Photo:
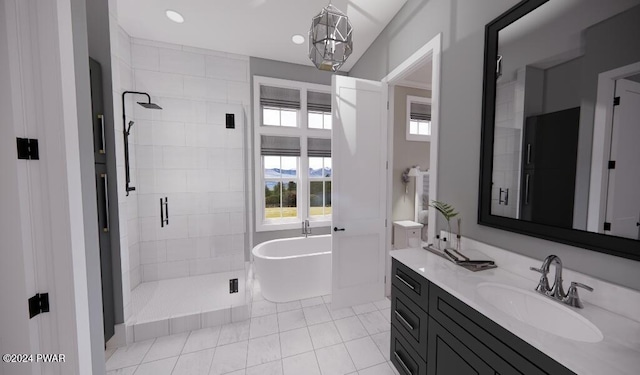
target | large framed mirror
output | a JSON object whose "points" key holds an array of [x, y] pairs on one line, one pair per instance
{"points": [[561, 123]]}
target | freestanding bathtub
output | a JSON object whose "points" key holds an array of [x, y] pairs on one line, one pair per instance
{"points": [[294, 268]]}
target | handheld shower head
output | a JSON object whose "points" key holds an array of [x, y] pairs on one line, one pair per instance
{"points": [[128, 131]]}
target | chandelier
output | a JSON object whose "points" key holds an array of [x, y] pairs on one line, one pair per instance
{"points": [[330, 39]]}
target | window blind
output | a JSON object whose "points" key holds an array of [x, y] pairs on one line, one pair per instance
{"points": [[279, 97], [279, 146], [318, 101], [420, 111], [319, 147]]}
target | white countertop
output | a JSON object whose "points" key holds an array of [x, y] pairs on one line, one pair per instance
{"points": [[617, 353]]}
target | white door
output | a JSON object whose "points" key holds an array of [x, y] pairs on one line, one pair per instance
{"points": [[359, 150], [623, 202]]}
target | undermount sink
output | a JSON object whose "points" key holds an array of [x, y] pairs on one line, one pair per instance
{"points": [[540, 312]]}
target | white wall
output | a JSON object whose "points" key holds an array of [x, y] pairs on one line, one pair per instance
{"points": [[462, 24], [185, 153], [405, 155]]}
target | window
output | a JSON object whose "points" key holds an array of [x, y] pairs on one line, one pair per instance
{"points": [[319, 109], [292, 154], [418, 119]]}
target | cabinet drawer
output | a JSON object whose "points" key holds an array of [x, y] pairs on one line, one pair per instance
{"points": [[411, 284], [507, 353], [404, 358], [410, 320]]}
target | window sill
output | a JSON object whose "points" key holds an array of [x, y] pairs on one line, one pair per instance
{"points": [[268, 227], [419, 138]]}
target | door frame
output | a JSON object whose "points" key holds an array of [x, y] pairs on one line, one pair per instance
{"points": [[601, 149], [432, 50]]}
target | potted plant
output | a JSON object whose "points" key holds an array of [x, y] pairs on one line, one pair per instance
{"points": [[447, 211]]}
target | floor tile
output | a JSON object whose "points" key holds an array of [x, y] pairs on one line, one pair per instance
{"points": [[301, 364], [381, 369], [197, 363], [271, 368], [288, 306], [123, 371], [340, 313], [350, 328], [325, 334], [234, 332], [263, 349], [393, 368], [386, 313], [229, 358], [383, 342], [263, 325], [291, 320], [261, 308], [383, 304], [316, 314], [364, 353], [108, 352], [166, 347], [161, 367], [334, 360], [327, 299], [364, 308], [130, 355], [239, 372], [295, 342], [205, 338], [374, 322], [312, 301]]}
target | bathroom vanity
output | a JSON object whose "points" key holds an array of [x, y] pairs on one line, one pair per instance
{"points": [[441, 323]]}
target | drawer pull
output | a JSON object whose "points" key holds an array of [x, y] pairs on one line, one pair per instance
{"points": [[404, 321], [405, 282], [406, 369]]}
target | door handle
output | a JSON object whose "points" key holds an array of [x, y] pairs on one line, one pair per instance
{"points": [[164, 212], [526, 189], [106, 202], [336, 229], [404, 366], [103, 149], [404, 320]]}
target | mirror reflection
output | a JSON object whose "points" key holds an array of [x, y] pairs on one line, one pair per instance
{"points": [[567, 119]]}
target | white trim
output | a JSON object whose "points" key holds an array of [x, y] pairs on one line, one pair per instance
{"points": [[408, 135], [602, 125], [432, 50], [414, 85], [303, 133]]}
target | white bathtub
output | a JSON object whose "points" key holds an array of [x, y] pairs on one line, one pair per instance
{"points": [[294, 268]]}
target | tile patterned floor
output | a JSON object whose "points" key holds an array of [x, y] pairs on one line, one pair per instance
{"points": [[296, 338]]}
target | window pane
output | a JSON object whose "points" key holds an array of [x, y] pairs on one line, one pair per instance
{"points": [[327, 120], [315, 167], [424, 128], [289, 118], [315, 120], [289, 166], [315, 198], [289, 199], [272, 193], [327, 197], [413, 127], [272, 166], [327, 167], [271, 117]]}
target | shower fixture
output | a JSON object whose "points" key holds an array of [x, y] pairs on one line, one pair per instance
{"points": [[127, 132]]}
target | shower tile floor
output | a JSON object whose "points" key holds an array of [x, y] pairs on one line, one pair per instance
{"points": [[297, 338]]}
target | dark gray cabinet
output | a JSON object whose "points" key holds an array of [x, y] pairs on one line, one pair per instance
{"points": [[444, 336]]}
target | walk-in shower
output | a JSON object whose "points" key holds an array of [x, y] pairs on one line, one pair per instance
{"points": [[127, 132]]}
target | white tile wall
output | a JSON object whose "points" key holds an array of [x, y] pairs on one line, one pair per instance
{"points": [[185, 153]]}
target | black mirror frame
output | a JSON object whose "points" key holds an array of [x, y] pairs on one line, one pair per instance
{"points": [[617, 246]]}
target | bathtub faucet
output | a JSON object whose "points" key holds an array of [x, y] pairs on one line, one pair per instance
{"points": [[306, 229]]}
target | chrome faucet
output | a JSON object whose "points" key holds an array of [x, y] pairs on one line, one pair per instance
{"points": [[306, 229], [556, 291]]}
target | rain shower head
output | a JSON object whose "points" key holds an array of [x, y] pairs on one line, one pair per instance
{"points": [[150, 105]]}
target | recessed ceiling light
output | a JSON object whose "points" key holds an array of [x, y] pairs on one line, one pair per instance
{"points": [[174, 16], [297, 39]]}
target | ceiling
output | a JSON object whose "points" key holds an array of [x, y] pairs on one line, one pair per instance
{"points": [[422, 75], [260, 28]]}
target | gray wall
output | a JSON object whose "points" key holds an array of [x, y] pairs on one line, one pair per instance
{"points": [[97, 16], [562, 85], [87, 175], [462, 25], [405, 154], [294, 72]]}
